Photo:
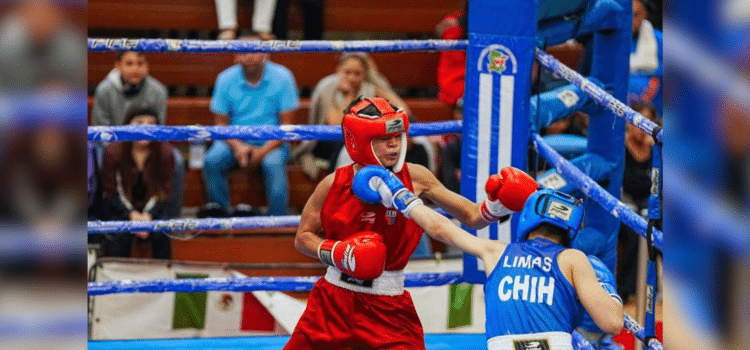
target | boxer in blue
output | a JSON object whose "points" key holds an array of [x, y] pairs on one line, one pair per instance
{"points": [[537, 289], [588, 329]]}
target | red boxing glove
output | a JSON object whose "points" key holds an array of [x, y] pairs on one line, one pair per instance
{"points": [[506, 193], [361, 256]]}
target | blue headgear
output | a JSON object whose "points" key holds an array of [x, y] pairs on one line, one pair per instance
{"points": [[553, 207]]}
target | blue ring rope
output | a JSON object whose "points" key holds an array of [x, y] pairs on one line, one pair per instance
{"points": [[297, 284], [271, 46], [654, 216], [637, 330], [182, 225], [592, 190], [199, 133], [598, 94]]}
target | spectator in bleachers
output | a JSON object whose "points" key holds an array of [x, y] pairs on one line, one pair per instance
{"points": [[646, 72], [312, 10], [636, 189], [40, 45], [226, 15], [255, 91], [137, 181], [452, 64], [127, 85], [355, 76]]}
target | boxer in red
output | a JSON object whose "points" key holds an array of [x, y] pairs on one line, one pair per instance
{"points": [[361, 302]]}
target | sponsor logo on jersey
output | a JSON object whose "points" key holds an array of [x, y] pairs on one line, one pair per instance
{"points": [[390, 216], [535, 344], [369, 217]]}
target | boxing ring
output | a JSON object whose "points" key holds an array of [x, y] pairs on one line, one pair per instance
{"points": [[501, 123]]}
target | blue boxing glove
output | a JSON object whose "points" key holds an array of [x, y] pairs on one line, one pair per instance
{"points": [[605, 277], [373, 184]]}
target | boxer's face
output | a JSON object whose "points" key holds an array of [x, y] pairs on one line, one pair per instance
{"points": [[387, 149]]}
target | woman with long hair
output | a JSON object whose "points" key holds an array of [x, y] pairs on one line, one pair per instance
{"points": [[137, 179]]}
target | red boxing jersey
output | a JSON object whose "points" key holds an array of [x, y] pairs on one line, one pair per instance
{"points": [[343, 215]]}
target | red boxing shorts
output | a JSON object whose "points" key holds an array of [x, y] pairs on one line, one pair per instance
{"points": [[338, 318]]}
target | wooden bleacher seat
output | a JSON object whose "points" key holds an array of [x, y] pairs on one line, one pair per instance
{"points": [[398, 16], [194, 110], [247, 187], [246, 248], [403, 70]]}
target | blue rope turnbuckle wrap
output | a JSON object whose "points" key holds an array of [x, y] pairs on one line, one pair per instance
{"points": [[637, 330], [271, 46], [599, 95], [592, 190]]}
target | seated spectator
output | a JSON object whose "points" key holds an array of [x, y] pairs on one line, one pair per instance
{"points": [[355, 76], [137, 180], [128, 84], [636, 189], [253, 92], [646, 71], [226, 15], [40, 45], [452, 64]]}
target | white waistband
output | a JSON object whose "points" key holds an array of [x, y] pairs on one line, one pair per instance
{"points": [[389, 283], [555, 340]]}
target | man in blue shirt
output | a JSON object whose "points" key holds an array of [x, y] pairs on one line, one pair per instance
{"points": [[255, 91], [538, 288]]}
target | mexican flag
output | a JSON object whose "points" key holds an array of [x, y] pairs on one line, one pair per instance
{"points": [[190, 310], [176, 315]]}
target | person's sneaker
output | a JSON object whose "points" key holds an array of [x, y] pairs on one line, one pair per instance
{"points": [[245, 210], [211, 210]]}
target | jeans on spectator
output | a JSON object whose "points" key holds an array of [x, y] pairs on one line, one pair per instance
{"points": [[220, 160]]}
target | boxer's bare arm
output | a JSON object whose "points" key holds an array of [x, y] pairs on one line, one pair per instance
{"points": [[427, 185], [442, 229], [308, 237], [605, 311]]}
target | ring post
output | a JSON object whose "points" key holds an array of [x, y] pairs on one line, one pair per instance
{"points": [[496, 102]]}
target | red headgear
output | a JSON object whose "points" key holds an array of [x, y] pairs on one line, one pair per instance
{"points": [[360, 129]]}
